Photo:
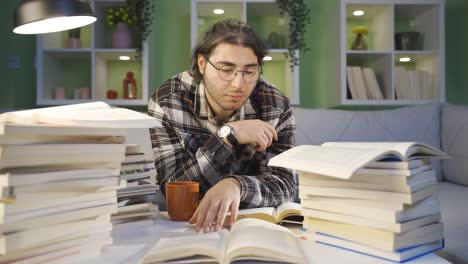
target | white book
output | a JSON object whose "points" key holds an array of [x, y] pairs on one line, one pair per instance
{"points": [[359, 81], [383, 225], [56, 154], [21, 206], [134, 157], [407, 198], [409, 185], [54, 247], [415, 85], [377, 238], [248, 239], [82, 185], [371, 83], [397, 164], [14, 134], [18, 217], [21, 177], [343, 159], [59, 217], [374, 211], [401, 256], [351, 83], [17, 241], [95, 114], [389, 182]]}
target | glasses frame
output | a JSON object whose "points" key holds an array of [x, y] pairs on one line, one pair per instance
{"points": [[259, 72]]}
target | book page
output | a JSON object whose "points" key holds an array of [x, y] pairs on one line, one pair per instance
{"points": [[171, 248], [288, 208], [263, 213], [30, 116], [407, 150], [114, 117], [330, 161], [257, 239]]}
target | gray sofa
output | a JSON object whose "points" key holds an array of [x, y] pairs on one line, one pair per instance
{"points": [[441, 125]]}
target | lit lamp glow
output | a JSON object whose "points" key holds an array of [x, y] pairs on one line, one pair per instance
{"points": [[45, 16], [358, 13], [124, 58], [405, 59], [267, 58], [218, 11]]}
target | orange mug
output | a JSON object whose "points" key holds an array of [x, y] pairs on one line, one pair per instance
{"points": [[182, 199]]}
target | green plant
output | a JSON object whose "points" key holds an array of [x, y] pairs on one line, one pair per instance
{"points": [[142, 11], [299, 17], [119, 15]]}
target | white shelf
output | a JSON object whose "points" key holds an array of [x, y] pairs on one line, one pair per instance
{"points": [[385, 18], [95, 65], [271, 27]]}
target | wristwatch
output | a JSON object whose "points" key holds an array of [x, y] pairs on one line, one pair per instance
{"points": [[228, 133]]}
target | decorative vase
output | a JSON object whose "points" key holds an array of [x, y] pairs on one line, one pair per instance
{"points": [[121, 37], [359, 43]]}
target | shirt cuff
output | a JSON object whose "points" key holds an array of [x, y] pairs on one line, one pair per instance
{"points": [[242, 184]]}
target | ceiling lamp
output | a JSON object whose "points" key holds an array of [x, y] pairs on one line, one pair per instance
{"points": [[45, 16]]}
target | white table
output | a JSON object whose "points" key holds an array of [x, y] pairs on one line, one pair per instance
{"points": [[133, 240]]}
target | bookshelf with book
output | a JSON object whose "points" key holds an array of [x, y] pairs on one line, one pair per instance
{"points": [[83, 65], [395, 47]]}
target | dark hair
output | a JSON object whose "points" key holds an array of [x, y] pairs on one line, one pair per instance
{"points": [[227, 31]]}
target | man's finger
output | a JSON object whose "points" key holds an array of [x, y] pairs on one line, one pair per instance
{"points": [[234, 212], [201, 215], [223, 209], [210, 217]]}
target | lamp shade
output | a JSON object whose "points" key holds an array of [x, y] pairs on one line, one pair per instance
{"points": [[45, 16]]}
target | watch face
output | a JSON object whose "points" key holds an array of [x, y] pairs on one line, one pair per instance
{"points": [[224, 131]]}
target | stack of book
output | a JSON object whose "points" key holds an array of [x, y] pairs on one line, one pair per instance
{"points": [[378, 199], [136, 200], [413, 84], [59, 182]]}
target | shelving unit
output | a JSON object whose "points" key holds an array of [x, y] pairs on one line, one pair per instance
{"points": [[95, 65], [263, 16], [423, 78]]}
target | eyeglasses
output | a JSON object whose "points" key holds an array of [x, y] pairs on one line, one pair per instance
{"points": [[228, 73]]}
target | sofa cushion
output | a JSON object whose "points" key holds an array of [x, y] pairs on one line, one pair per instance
{"points": [[451, 197], [454, 136], [419, 123]]}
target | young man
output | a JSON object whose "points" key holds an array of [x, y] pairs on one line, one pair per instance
{"points": [[222, 124]]}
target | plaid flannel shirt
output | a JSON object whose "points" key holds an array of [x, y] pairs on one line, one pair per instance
{"points": [[188, 148]]}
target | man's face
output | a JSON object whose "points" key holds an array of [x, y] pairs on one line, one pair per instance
{"points": [[227, 96]]}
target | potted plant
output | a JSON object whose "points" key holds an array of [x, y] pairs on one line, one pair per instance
{"points": [[120, 18], [142, 11], [299, 17]]}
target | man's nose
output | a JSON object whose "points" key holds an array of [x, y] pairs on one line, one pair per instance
{"points": [[238, 80]]}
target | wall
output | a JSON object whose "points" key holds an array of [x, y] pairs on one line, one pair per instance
{"points": [[170, 52]]}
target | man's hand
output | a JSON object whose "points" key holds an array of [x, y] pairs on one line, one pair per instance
{"points": [[216, 203], [255, 131]]}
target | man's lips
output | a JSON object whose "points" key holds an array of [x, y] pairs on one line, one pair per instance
{"points": [[235, 97]]}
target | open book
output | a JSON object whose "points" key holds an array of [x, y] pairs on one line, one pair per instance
{"points": [[288, 212], [95, 114], [343, 159], [249, 239]]}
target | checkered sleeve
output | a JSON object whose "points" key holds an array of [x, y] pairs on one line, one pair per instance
{"points": [[271, 186], [183, 156]]}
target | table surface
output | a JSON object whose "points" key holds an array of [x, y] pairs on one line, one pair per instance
{"points": [[132, 241]]}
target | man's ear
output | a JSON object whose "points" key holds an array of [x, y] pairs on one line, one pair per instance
{"points": [[201, 63]]}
